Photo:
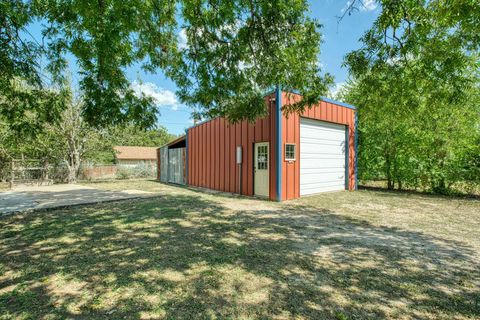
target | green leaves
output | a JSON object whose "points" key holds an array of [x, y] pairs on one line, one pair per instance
{"points": [[106, 37], [235, 52], [27, 108], [238, 50], [416, 84]]}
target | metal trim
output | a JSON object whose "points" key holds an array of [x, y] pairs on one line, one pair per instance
{"points": [[278, 105], [356, 150]]}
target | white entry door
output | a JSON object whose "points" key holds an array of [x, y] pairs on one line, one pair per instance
{"points": [[261, 170], [322, 156]]}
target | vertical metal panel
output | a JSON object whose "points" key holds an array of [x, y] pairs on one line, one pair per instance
{"points": [[297, 155], [208, 161], [186, 156], [356, 151], [176, 165], [231, 150], [190, 147], [250, 142], [164, 164], [158, 164], [347, 157], [221, 151], [194, 156], [244, 142], [220, 156], [203, 147]]}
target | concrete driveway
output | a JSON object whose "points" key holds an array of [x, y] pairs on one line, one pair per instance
{"points": [[28, 198]]}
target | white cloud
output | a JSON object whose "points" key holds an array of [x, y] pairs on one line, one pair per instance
{"points": [[336, 89], [182, 39], [161, 97], [368, 5], [363, 5]]}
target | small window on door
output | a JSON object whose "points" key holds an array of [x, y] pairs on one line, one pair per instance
{"points": [[262, 157], [290, 151]]}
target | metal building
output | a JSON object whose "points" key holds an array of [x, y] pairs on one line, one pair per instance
{"points": [[316, 152]]}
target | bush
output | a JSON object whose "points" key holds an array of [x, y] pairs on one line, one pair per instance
{"points": [[142, 170]]}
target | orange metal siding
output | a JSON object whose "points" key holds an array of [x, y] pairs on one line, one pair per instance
{"points": [[291, 134], [212, 153]]}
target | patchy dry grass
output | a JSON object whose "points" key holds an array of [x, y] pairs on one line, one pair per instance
{"points": [[467, 189], [4, 186], [195, 255]]}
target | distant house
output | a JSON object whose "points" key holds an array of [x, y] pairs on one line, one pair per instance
{"points": [[132, 156]]}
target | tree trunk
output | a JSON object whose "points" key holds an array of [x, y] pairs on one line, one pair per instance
{"points": [[73, 159], [388, 172], [73, 165]]}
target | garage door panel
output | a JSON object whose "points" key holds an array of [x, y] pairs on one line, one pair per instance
{"points": [[322, 188], [325, 142], [320, 178], [326, 126], [325, 149], [322, 157], [323, 161], [316, 169], [326, 165]]}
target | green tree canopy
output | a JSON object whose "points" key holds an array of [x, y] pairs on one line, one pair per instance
{"points": [[235, 52], [416, 82], [238, 50]]}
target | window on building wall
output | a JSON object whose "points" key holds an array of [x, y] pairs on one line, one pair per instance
{"points": [[262, 157], [290, 149]]}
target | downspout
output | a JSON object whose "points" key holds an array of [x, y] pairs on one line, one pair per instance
{"points": [[186, 157], [356, 149], [347, 157], [278, 147]]}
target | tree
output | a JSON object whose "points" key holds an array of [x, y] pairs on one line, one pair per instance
{"points": [[25, 103], [134, 136], [415, 81], [74, 138], [238, 50], [235, 51], [128, 135]]}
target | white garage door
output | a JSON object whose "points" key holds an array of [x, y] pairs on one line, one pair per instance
{"points": [[322, 156]]}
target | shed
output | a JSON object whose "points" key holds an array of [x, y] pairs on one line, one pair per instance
{"points": [[278, 157], [172, 161]]}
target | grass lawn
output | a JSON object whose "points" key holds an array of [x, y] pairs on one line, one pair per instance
{"points": [[194, 255]]}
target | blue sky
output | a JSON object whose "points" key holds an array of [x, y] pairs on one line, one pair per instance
{"points": [[338, 40]]}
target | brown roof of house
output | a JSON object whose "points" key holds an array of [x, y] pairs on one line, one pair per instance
{"points": [[135, 153]]}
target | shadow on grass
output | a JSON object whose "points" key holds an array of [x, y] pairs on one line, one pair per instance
{"points": [[183, 257], [396, 192]]}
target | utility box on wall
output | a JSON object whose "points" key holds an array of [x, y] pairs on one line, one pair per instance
{"points": [[239, 154]]}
